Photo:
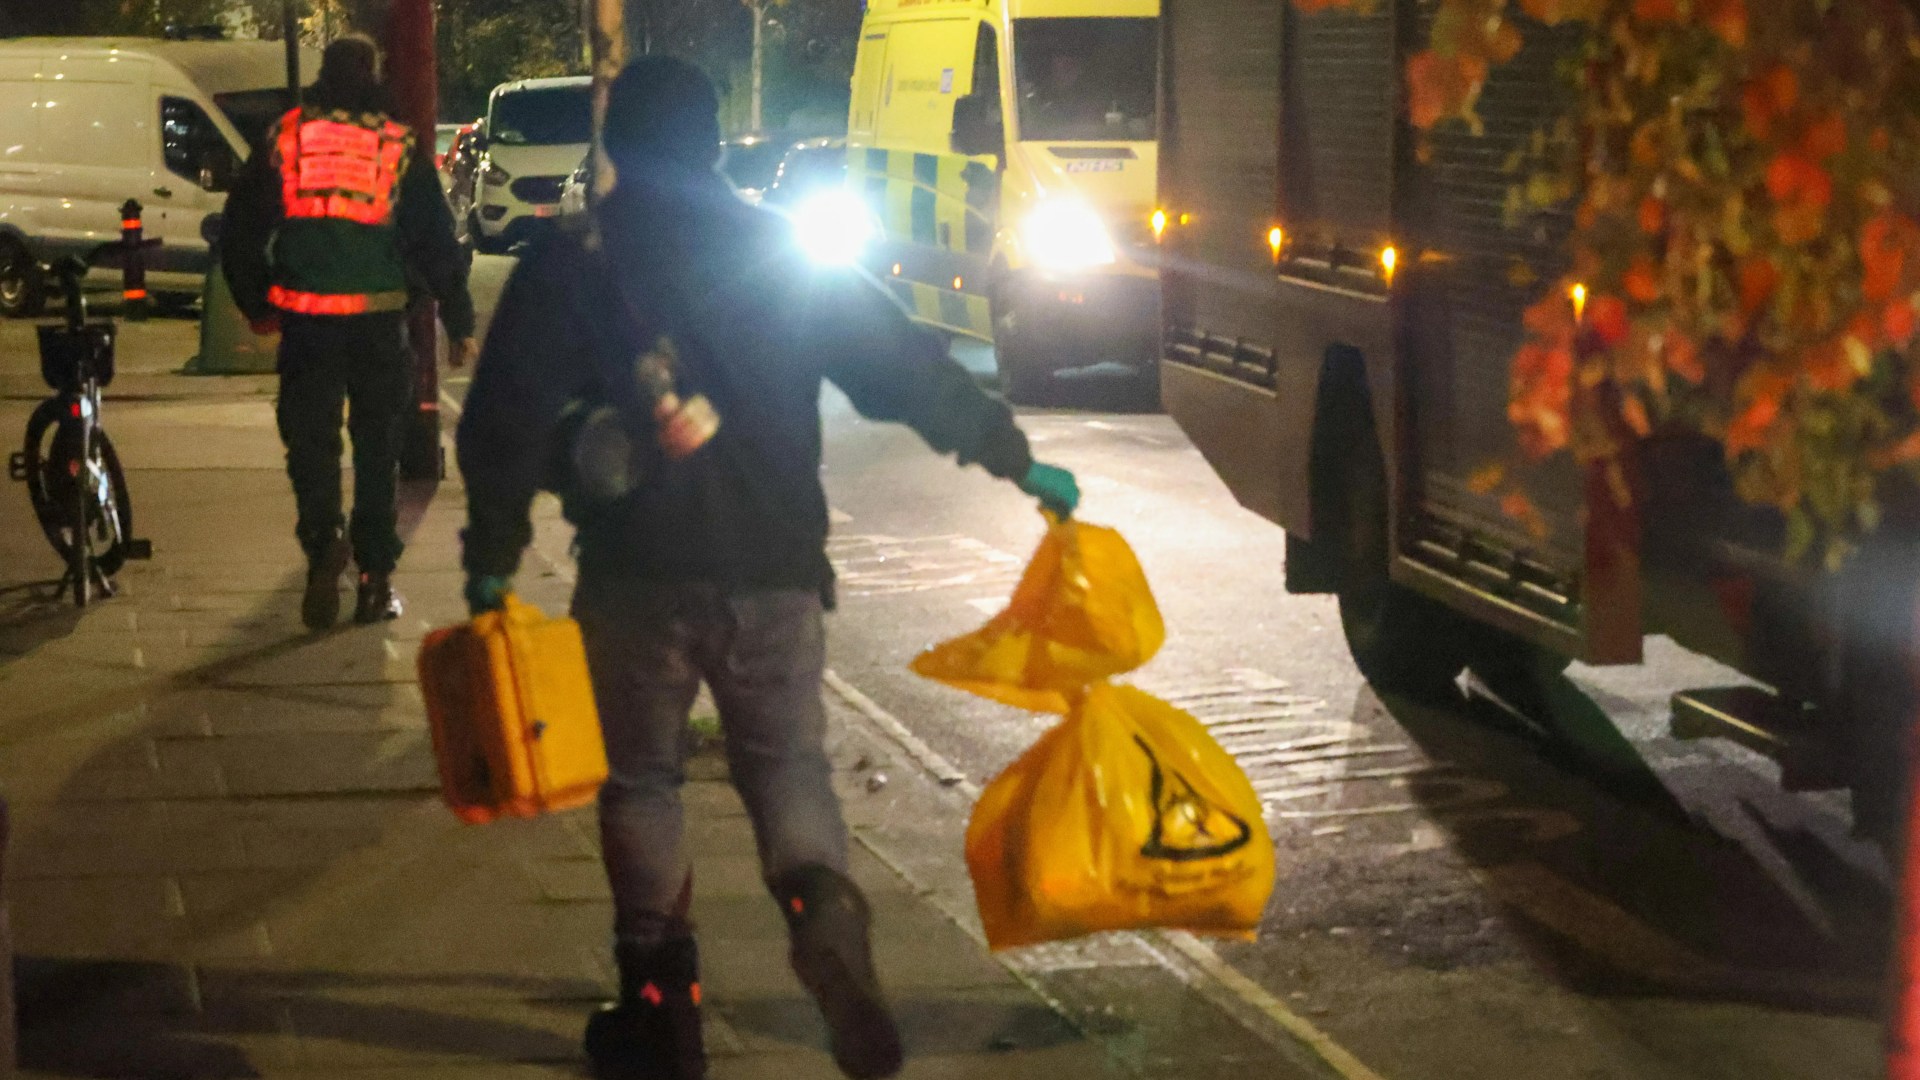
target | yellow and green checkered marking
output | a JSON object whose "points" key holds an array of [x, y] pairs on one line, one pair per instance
{"points": [[937, 213]]}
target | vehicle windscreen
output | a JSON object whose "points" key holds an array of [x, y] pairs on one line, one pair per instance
{"points": [[551, 117], [752, 166], [443, 140], [1086, 79], [807, 171], [252, 112]]}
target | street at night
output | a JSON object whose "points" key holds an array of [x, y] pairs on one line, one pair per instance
{"points": [[1461, 892], [960, 539]]}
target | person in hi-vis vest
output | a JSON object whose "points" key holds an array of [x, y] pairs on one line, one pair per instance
{"points": [[333, 226]]}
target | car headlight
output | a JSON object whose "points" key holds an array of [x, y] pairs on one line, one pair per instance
{"points": [[495, 175], [834, 227], [1066, 234]]}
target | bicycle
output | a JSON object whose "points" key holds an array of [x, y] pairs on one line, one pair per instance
{"points": [[73, 476]]}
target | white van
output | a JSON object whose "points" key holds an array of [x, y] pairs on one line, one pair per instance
{"points": [[535, 134], [88, 123]]}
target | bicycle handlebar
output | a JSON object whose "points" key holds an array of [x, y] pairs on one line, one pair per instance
{"points": [[70, 270]]}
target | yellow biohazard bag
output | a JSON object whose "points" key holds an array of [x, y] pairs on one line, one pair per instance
{"points": [[1127, 814], [1082, 612]]}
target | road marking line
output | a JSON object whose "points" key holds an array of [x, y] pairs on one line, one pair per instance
{"points": [[1196, 952], [1315, 757], [928, 758], [1202, 956]]}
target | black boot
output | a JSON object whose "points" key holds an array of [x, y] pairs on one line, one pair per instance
{"points": [[653, 1033], [377, 601], [320, 606], [827, 919]]}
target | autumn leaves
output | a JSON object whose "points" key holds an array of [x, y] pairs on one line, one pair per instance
{"points": [[1745, 182]]}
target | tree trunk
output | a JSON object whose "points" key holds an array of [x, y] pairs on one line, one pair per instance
{"points": [[607, 26], [759, 51]]}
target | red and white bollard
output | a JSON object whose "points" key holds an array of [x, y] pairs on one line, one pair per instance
{"points": [[133, 267]]}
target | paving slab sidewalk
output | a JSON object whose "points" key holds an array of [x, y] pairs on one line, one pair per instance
{"points": [[228, 858]]}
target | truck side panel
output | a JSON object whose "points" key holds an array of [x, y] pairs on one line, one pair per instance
{"points": [[1246, 344], [1484, 257]]}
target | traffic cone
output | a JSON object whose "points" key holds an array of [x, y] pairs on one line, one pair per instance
{"points": [[228, 345]]}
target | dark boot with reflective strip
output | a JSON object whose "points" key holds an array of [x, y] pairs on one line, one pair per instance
{"points": [[320, 606], [377, 601], [653, 1032], [827, 919]]}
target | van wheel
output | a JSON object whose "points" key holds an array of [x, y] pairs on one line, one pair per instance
{"points": [[1400, 640], [23, 288], [176, 304], [1022, 378], [1873, 690]]}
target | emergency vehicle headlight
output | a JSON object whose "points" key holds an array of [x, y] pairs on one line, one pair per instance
{"points": [[1066, 234], [834, 227]]}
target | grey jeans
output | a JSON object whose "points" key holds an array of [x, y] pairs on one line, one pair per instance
{"points": [[649, 646]]}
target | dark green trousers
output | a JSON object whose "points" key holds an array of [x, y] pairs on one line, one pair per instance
{"points": [[359, 363]]}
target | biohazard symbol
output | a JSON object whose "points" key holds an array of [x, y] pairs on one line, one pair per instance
{"points": [[1186, 827]]}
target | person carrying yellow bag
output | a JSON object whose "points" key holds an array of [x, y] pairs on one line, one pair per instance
{"points": [[1126, 815], [712, 566]]}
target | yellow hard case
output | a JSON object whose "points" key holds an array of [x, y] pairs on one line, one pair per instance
{"points": [[511, 709]]}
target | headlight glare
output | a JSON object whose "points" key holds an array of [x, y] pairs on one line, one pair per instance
{"points": [[834, 227], [1065, 234]]}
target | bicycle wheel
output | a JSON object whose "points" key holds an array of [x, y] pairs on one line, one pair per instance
{"points": [[50, 484], [80, 553], [111, 523]]}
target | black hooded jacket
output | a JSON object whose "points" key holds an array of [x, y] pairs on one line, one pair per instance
{"points": [[757, 328]]}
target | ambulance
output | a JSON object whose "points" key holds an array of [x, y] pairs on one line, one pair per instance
{"points": [[1005, 153]]}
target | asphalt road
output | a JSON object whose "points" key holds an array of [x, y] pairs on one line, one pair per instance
{"points": [[1460, 894]]}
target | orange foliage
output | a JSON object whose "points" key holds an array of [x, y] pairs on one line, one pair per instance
{"points": [[1764, 224], [1683, 358], [1439, 86], [1653, 215], [1728, 20], [1642, 281]]}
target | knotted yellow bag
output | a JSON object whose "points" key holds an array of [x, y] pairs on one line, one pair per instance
{"points": [[1125, 815]]}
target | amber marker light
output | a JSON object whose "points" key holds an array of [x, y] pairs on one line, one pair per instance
{"points": [[1159, 225], [958, 284], [1276, 239], [896, 269], [1389, 260], [1578, 294]]}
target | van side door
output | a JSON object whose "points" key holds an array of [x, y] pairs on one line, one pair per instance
{"points": [[188, 143], [94, 131], [22, 177], [869, 77], [937, 239]]}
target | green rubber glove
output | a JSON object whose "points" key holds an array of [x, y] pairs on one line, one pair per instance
{"points": [[487, 592], [1054, 487]]}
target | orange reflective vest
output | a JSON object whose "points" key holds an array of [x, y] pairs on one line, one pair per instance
{"points": [[336, 252], [341, 166]]}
